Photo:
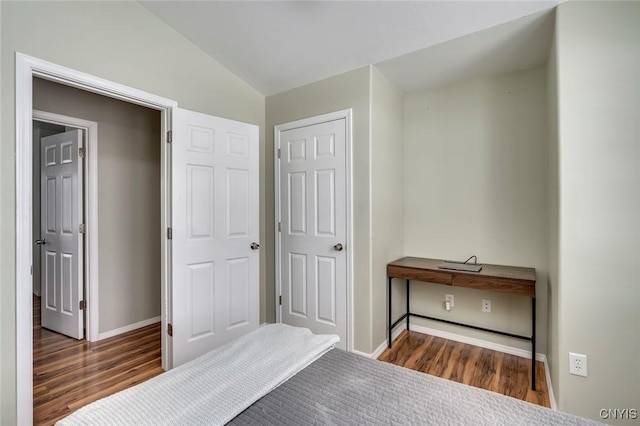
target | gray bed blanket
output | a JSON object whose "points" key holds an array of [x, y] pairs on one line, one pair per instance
{"points": [[342, 388]]}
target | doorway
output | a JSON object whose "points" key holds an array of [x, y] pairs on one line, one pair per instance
{"points": [[47, 124], [58, 215], [187, 195], [122, 216], [26, 69], [123, 167]]}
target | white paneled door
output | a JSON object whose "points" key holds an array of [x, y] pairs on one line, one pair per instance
{"points": [[215, 283], [313, 261], [60, 241]]}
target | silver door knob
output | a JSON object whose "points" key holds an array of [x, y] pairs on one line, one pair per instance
{"points": [[338, 247], [41, 242], [255, 246]]}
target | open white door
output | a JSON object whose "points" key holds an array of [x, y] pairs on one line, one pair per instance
{"points": [[62, 245], [215, 217]]}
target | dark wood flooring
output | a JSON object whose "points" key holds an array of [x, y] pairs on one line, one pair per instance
{"points": [[483, 368], [69, 373]]}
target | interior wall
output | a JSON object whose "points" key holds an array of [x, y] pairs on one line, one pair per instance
{"points": [[553, 303], [475, 184], [599, 177], [122, 42], [553, 360], [129, 206], [348, 90], [3, 264], [387, 198]]}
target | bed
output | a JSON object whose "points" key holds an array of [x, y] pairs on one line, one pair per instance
{"points": [[282, 375]]}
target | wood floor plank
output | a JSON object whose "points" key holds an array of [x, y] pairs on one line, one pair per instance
{"points": [[441, 363], [480, 367], [69, 373], [485, 369]]}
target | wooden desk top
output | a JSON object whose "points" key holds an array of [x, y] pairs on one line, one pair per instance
{"points": [[506, 279]]}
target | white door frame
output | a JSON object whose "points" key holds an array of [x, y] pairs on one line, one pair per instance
{"points": [[277, 130], [26, 68], [90, 212]]}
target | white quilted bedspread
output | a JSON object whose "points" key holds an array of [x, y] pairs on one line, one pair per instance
{"points": [[214, 388]]}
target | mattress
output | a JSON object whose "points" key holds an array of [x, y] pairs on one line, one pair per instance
{"points": [[342, 388]]}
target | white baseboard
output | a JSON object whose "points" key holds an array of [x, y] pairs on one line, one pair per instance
{"points": [[552, 396], [476, 342], [36, 292], [128, 328], [384, 344]]}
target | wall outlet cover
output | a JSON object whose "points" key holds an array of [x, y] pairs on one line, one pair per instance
{"points": [[486, 305], [577, 364], [449, 298]]}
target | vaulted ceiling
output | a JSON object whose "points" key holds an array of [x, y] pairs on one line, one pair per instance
{"points": [[278, 45]]}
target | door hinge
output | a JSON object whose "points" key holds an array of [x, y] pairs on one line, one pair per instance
{"points": [[81, 152], [82, 228], [83, 305], [279, 153], [169, 233], [169, 136], [280, 299], [279, 226], [170, 330]]}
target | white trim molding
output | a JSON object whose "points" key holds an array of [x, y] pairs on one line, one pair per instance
{"points": [[524, 353], [90, 212], [345, 114], [26, 68], [552, 396], [128, 328]]}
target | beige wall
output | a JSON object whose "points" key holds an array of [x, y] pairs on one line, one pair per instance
{"points": [[554, 214], [122, 42], [387, 198], [599, 176], [475, 183], [4, 318], [348, 90], [128, 199]]}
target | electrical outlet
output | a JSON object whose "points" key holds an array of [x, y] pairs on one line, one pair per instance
{"points": [[577, 364], [449, 298], [486, 305]]}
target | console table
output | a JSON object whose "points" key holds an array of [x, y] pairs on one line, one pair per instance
{"points": [[504, 279]]}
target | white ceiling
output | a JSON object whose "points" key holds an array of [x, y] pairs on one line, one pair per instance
{"points": [[277, 45]]}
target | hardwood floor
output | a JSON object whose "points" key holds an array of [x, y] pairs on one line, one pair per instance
{"points": [[69, 373], [483, 368]]}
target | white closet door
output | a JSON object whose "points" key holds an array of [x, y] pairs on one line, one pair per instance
{"points": [[215, 276], [313, 211]]}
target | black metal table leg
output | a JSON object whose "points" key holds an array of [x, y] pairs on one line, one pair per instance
{"points": [[389, 308], [408, 316], [533, 343]]}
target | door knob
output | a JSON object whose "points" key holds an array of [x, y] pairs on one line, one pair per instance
{"points": [[255, 246], [41, 242], [338, 247]]}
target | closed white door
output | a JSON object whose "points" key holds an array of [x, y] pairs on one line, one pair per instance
{"points": [[215, 214], [61, 243], [313, 266]]}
